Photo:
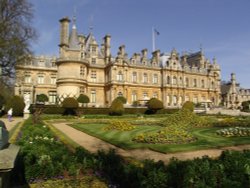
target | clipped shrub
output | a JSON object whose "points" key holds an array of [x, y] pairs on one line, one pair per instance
{"points": [[83, 98], [154, 105], [188, 106], [70, 104], [245, 106], [116, 108], [122, 99], [17, 104], [42, 98]]}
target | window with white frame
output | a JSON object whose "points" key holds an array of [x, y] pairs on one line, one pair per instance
{"points": [[27, 78], [93, 96], [168, 80], [52, 97], [53, 80], [155, 79], [175, 100], [119, 76], [40, 79], [134, 77], [93, 76], [134, 96]]}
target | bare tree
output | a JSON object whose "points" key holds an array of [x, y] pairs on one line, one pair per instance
{"points": [[16, 33]]}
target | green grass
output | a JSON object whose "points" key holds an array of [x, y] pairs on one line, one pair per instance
{"points": [[207, 138]]}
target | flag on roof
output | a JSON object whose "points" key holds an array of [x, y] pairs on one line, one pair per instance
{"points": [[156, 32]]}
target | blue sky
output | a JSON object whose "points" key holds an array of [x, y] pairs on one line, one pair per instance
{"points": [[221, 27]]}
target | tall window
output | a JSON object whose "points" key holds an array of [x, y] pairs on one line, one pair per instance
{"points": [[212, 85], [40, 79], [181, 81], [94, 49], [119, 76], [82, 71], [93, 76], [174, 80], [155, 79], [93, 96], [27, 79], [134, 77], [168, 80], [145, 78], [202, 83], [175, 100], [52, 97], [134, 96], [195, 83], [93, 61], [53, 80], [187, 82], [168, 100], [145, 95]]}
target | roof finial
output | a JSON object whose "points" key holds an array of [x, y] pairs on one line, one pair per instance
{"points": [[74, 19], [91, 27]]}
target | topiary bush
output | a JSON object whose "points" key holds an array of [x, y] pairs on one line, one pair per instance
{"points": [[17, 104], [154, 105], [70, 105], [245, 106], [122, 99], [42, 98], [116, 108], [188, 106], [83, 98]]}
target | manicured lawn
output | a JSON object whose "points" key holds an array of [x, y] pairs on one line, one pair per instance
{"points": [[207, 138]]}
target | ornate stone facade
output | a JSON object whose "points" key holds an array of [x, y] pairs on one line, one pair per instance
{"points": [[232, 94], [83, 66]]}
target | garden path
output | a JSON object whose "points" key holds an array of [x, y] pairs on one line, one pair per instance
{"points": [[94, 144], [10, 125]]}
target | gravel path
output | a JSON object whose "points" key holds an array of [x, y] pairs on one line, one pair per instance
{"points": [[94, 144], [10, 125]]}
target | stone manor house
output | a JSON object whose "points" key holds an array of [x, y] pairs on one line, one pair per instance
{"points": [[85, 67]]}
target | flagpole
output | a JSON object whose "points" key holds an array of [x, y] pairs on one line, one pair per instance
{"points": [[153, 39]]}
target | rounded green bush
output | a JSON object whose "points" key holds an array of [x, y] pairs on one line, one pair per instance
{"points": [[154, 105], [116, 108], [122, 99], [188, 106], [42, 98], [70, 102], [83, 98]]}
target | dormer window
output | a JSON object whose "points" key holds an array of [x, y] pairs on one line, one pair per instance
{"points": [[94, 49]]}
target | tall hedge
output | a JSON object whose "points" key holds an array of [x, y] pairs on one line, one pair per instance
{"points": [[122, 99], [17, 104]]}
